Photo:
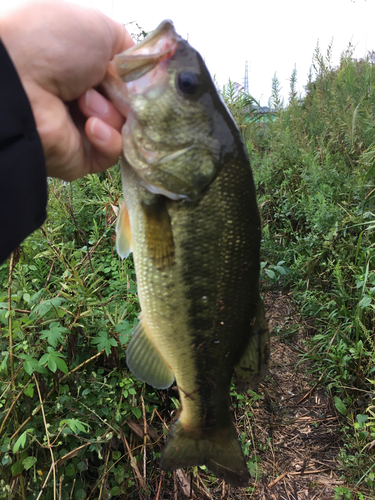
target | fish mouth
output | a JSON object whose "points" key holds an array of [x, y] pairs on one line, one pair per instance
{"points": [[129, 66], [143, 57]]}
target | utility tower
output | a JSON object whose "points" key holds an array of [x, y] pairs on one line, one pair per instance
{"points": [[246, 80]]}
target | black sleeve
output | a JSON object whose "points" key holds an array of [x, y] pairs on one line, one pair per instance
{"points": [[23, 181]]}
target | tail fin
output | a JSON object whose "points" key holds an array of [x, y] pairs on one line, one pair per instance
{"points": [[220, 451]]}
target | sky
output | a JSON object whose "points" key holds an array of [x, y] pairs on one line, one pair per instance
{"points": [[274, 36]]}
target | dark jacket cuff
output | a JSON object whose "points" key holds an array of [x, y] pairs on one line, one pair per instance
{"points": [[23, 181]]}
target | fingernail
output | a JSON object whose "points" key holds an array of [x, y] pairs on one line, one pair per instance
{"points": [[96, 103], [100, 130]]}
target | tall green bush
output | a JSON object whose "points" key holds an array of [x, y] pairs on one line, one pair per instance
{"points": [[315, 181]]}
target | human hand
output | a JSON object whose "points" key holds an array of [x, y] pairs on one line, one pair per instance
{"points": [[61, 51]]}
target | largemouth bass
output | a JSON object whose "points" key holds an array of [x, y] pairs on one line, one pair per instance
{"points": [[190, 217]]}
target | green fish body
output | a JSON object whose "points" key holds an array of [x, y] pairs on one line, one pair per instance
{"points": [[191, 219]]}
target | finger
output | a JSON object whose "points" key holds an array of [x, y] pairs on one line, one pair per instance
{"points": [[106, 144], [74, 146], [92, 103]]}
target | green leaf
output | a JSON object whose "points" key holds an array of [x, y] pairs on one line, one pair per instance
{"points": [[119, 473], [20, 443], [52, 365], [125, 329], [28, 462], [253, 467], [270, 273], [365, 302], [136, 412], [340, 405], [75, 425], [55, 333], [70, 470], [103, 341], [37, 296], [44, 307], [17, 468], [6, 460], [61, 365], [80, 495], [30, 364], [280, 269], [361, 419], [4, 362], [53, 360], [29, 391]]}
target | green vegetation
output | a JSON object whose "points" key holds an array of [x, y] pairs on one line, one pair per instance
{"points": [[73, 419], [69, 306], [314, 167]]}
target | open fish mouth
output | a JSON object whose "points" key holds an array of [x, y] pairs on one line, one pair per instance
{"points": [[141, 58]]}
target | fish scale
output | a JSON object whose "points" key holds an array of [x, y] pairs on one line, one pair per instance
{"points": [[190, 217]]}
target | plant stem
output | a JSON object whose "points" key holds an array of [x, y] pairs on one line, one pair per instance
{"points": [[47, 436], [11, 360]]}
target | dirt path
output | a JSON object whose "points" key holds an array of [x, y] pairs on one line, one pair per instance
{"points": [[296, 420]]}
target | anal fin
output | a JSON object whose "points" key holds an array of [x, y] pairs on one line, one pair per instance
{"points": [[253, 364], [145, 361]]}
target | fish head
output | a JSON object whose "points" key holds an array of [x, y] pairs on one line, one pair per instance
{"points": [[178, 131]]}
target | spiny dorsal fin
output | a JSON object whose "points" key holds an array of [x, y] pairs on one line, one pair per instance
{"points": [[123, 233], [158, 233], [145, 361], [253, 364]]}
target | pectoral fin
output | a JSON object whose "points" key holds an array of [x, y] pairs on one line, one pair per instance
{"points": [[158, 233], [123, 233], [253, 365], [146, 361]]}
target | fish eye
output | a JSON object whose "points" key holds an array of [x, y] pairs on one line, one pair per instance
{"points": [[188, 82]]}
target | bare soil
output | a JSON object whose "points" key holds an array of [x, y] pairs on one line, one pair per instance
{"points": [[296, 419]]}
